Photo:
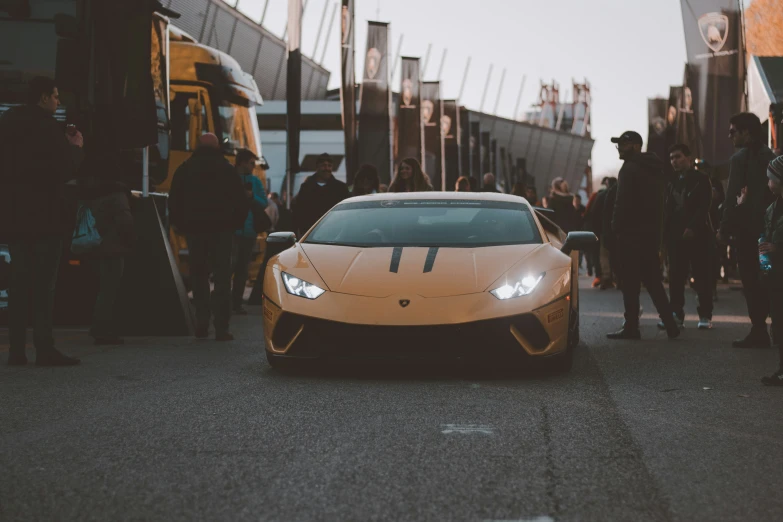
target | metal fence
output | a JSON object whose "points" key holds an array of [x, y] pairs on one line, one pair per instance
{"points": [[259, 52]]}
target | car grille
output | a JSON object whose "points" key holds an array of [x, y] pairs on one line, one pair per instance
{"points": [[319, 337]]}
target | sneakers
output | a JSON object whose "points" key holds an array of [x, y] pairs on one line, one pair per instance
{"points": [[17, 359], [625, 333], [596, 282], [705, 323], [776, 379], [679, 322], [54, 358], [224, 337], [754, 339]]}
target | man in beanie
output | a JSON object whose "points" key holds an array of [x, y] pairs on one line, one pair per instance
{"points": [[748, 169], [318, 194], [773, 248]]}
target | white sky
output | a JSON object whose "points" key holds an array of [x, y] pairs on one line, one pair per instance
{"points": [[629, 50]]}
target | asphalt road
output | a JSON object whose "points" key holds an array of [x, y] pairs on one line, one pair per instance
{"points": [[176, 429]]}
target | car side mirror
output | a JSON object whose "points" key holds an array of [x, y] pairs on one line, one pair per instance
{"points": [[277, 242], [578, 241]]}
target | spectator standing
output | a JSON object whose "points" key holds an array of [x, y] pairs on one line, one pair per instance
{"points": [[688, 236], [273, 212], [410, 178], [245, 238], [610, 264], [593, 222], [748, 168], [366, 181], [207, 203], [518, 189], [562, 203], [637, 221], [285, 221], [772, 246], [489, 183], [318, 194], [531, 195], [462, 185], [37, 157]]}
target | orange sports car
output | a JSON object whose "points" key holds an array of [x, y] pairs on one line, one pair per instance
{"points": [[433, 274]]}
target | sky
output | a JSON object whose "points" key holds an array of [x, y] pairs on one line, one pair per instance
{"points": [[629, 50]]}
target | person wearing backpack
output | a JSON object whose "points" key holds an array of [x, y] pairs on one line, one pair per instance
{"points": [[109, 203], [38, 156], [245, 237], [207, 203]]}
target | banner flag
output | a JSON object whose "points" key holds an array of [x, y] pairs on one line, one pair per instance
{"points": [[475, 151], [431, 113], [464, 142], [294, 87], [409, 122], [451, 134], [687, 120], [375, 144], [716, 75], [348, 88]]}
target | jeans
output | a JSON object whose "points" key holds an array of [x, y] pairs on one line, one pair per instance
{"points": [[34, 267], [756, 294], [210, 252], [692, 256], [111, 269], [240, 260], [640, 264]]}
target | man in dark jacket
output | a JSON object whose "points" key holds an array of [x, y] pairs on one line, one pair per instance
{"points": [[637, 221], [37, 157], [207, 203], [688, 235], [318, 194], [748, 168]]}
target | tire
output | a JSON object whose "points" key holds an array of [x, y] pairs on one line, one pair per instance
{"points": [[562, 363]]}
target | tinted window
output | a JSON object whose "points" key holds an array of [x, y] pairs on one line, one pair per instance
{"points": [[431, 223]]}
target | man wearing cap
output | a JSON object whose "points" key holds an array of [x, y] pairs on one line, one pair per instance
{"points": [[245, 238], [637, 221], [207, 203], [748, 168], [772, 247], [318, 194]]}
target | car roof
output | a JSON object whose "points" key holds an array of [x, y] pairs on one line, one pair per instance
{"points": [[462, 196]]}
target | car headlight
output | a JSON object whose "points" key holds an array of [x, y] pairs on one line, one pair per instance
{"points": [[298, 287], [524, 286]]}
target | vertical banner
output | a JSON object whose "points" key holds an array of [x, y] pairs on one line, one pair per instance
{"points": [[464, 142], [657, 109], [672, 113], [431, 113], [493, 160], [687, 122], [451, 129], [716, 77], [409, 135], [375, 103], [348, 88], [475, 151], [294, 90]]}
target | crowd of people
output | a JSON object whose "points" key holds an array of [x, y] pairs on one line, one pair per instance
{"points": [[644, 219]]}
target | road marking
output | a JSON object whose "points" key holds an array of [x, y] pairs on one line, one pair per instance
{"points": [[466, 429]]}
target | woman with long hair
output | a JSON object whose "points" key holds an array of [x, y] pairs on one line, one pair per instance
{"points": [[410, 178], [366, 181], [462, 185]]}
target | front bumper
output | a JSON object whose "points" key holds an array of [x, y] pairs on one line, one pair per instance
{"points": [[538, 333]]}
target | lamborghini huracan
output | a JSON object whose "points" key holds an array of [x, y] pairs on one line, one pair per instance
{"points": [[444, 275]]}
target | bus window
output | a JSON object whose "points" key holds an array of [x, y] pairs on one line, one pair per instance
{"points": [[189, 119]]}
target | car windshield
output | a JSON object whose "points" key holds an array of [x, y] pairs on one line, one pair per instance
{"points": [[427, 223]]}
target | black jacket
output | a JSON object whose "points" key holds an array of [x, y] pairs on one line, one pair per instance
{"points": [[207, 195], [638, 210], [688, 201], [565, 215], [35, 162], [748, 168], [313, 201], [594, 219]]}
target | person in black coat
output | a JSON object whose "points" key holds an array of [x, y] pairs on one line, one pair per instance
{"points": [[37, 157], [207, 203], [636, 224], [318, 194], [688, 235]]}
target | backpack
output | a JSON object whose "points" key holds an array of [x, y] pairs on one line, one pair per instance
{"points": [[85, 234]]}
